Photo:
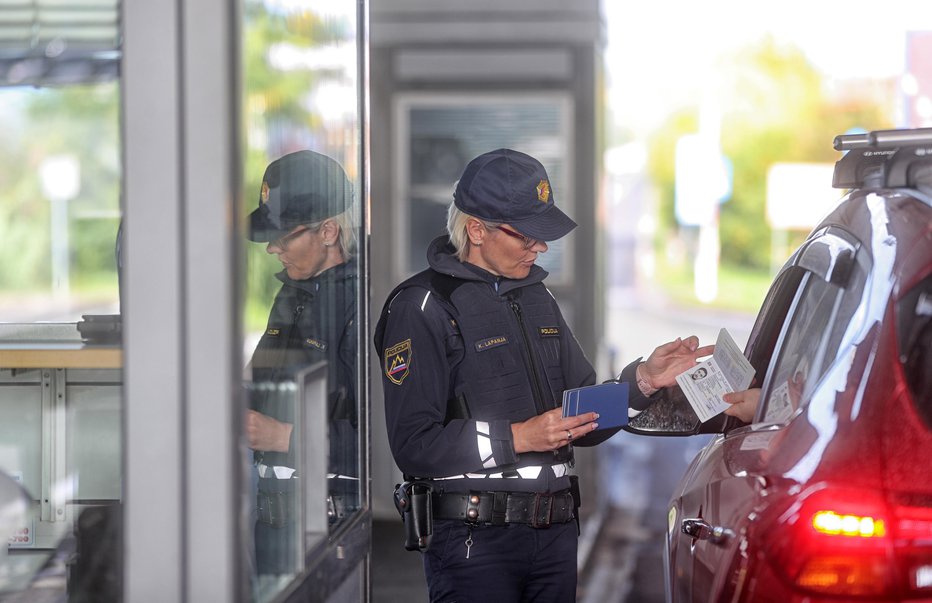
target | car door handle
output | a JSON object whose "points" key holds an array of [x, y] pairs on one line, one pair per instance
{"points": [[703, 530]]}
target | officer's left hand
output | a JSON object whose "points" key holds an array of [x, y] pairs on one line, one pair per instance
{"points": [[266, 433], [671, 359], [551, 430]]}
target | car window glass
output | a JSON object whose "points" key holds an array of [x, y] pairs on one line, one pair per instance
{"points": [[802, 344], [766, 332], [825, 316], [914, 330], [848, 319]]}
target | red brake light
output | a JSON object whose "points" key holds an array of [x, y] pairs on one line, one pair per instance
{"points": [[830, 522], [855, 544]]}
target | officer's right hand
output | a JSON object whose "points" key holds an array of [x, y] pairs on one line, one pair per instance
{"points": [[266, 433], [551, 430]]}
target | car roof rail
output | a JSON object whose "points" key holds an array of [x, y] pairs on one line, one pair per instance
{"points": [[910, 167], [846, 142], [884, 139], [869, 158], [861, 167]]}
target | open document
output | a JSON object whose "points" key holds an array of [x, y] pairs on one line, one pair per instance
{"points": [[726, 371]]}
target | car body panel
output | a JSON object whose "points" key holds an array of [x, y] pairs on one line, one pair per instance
{"points": [[853, 424]]}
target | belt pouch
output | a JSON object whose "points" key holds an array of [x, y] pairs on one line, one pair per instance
{"points": [[272, 508], [422, 517], [275, 501], [413, 500], [574, 490]]}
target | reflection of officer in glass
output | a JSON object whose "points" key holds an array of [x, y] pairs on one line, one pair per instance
{"points": [[304, 215], [475, 358], [699, 374]]}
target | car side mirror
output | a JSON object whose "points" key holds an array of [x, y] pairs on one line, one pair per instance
{"points": [[669, 415]]}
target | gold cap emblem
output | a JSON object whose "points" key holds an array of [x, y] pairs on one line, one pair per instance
{"points": [[264, 193], [543, 191]]}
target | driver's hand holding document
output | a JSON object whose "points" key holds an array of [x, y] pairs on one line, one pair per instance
{"points": [[726, 371]]}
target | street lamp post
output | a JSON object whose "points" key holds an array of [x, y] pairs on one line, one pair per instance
{"points": [[61, 180]]}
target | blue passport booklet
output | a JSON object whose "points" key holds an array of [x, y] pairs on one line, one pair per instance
{"points": [[610, 400]]}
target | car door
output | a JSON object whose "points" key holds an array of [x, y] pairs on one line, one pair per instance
{"points": [[726, 487], [710, 511]]}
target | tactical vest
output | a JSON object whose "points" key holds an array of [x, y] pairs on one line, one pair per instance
{"points": [[510, 367], [305, 328]]}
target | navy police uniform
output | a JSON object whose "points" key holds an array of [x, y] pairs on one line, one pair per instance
{"points": [[301, 331], [311, 320], [464, 355]]}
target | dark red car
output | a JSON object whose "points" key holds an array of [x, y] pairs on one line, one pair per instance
{"points": [[827, 494]]}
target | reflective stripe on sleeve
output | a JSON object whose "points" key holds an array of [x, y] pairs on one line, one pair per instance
{"points": [[484, 443]]}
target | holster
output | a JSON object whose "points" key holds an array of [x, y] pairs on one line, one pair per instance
{"points": [[413, 501], [577, 499]]}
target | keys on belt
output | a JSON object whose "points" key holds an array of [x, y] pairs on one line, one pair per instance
{"points": [[499, 508]]}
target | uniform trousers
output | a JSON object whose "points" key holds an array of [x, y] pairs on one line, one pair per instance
{"points": [[510, 563], [276, 544]]}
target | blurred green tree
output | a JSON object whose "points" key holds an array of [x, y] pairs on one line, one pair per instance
{"points": [[278, 120], [776, 107], [82, 121]]}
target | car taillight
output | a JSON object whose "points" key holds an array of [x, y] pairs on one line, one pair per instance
{"points": [[830, 522], [842, 542]]}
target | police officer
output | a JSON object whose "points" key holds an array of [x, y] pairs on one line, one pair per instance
{"points": [[305, 218], [475, 357]]}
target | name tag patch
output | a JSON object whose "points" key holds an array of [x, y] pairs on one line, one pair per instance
{"points": [[549, 331], [317, 344], [491, 342]]}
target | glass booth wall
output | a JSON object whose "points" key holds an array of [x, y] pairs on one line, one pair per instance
{"points": [[302, 185], [60, 350], [61, 356]]}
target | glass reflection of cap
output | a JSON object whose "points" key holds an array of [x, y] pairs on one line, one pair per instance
{"points": [[299, 188]]}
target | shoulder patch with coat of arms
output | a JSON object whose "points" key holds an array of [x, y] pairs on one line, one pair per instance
{"points": [[397, 361]]}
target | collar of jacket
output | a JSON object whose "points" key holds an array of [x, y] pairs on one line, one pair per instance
{"points": [[331, 276], [442, 257]]}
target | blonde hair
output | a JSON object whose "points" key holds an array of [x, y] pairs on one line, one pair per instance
{"points": [[456, 228], [347, 240]]}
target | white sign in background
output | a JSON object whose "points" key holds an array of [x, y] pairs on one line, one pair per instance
{"points": [[799, 195]]}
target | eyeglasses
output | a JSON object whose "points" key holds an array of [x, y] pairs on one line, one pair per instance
{"points": [[527, 242], [283, 242]]}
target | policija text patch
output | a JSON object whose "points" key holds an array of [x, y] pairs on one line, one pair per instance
{"points": [[397, 361]]}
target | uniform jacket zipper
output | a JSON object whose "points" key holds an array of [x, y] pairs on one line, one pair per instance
{"points": [[535, 376]]}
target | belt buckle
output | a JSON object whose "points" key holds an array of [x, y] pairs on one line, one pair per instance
{"points": [[543, 510]]}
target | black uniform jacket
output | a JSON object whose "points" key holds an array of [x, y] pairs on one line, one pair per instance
{"points": [[464, 355], [311, 320]]}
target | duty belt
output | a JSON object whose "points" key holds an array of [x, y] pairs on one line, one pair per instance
{"points": [[499, 508], [275, 503]]}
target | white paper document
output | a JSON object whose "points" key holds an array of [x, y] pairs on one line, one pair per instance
{"points": [[726, 371]]}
